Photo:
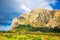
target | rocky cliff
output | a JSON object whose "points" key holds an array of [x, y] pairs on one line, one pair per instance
{"points": [[38, 18]]}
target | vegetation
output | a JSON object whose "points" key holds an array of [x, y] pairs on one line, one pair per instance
{"points": [[39, 24], [29, 28], [27, 32], [33, 36]]}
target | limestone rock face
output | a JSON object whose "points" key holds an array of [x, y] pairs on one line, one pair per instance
{"points": [[55, 21], [39, 18], [14, 23]]}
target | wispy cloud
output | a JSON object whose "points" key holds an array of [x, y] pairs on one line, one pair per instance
{"points": [[36, 3], [25, 8], [53, 2], [4, 28], [17, 5]]}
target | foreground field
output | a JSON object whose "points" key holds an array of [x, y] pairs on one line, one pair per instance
{"points": [[30, 36], [27, 32]]}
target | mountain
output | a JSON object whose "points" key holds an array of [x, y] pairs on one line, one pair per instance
{"points": [[38, 18]]}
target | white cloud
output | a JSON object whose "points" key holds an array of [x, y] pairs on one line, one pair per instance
{"points": [[4, 28], [31, 4], [24, 7], [39, 3], [52, 1]]}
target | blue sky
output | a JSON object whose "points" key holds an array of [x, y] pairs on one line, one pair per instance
{"points": [[13, 8]]}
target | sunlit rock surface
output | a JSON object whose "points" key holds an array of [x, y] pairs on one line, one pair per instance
{"points": [[39, 18]]}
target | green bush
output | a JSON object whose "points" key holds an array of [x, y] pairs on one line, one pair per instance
{"points": [[36, 38]]}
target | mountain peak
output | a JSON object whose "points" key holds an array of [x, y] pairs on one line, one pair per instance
{"points": [[39, 18]]}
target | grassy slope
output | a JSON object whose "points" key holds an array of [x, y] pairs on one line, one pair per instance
{"points": [[25, 32], [29, 36]]}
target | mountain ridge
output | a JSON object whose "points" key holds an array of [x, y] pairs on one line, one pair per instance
{"points": [[38, 18]]}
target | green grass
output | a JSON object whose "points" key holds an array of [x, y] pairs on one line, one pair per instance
{"points": [[29, 36], [27, 32]]}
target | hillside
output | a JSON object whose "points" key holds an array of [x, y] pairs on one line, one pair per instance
{"points": [[38, 18], [39, 24]]}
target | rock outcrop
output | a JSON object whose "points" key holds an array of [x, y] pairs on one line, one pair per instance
{"points": [[14, 23], [39, 18]]}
